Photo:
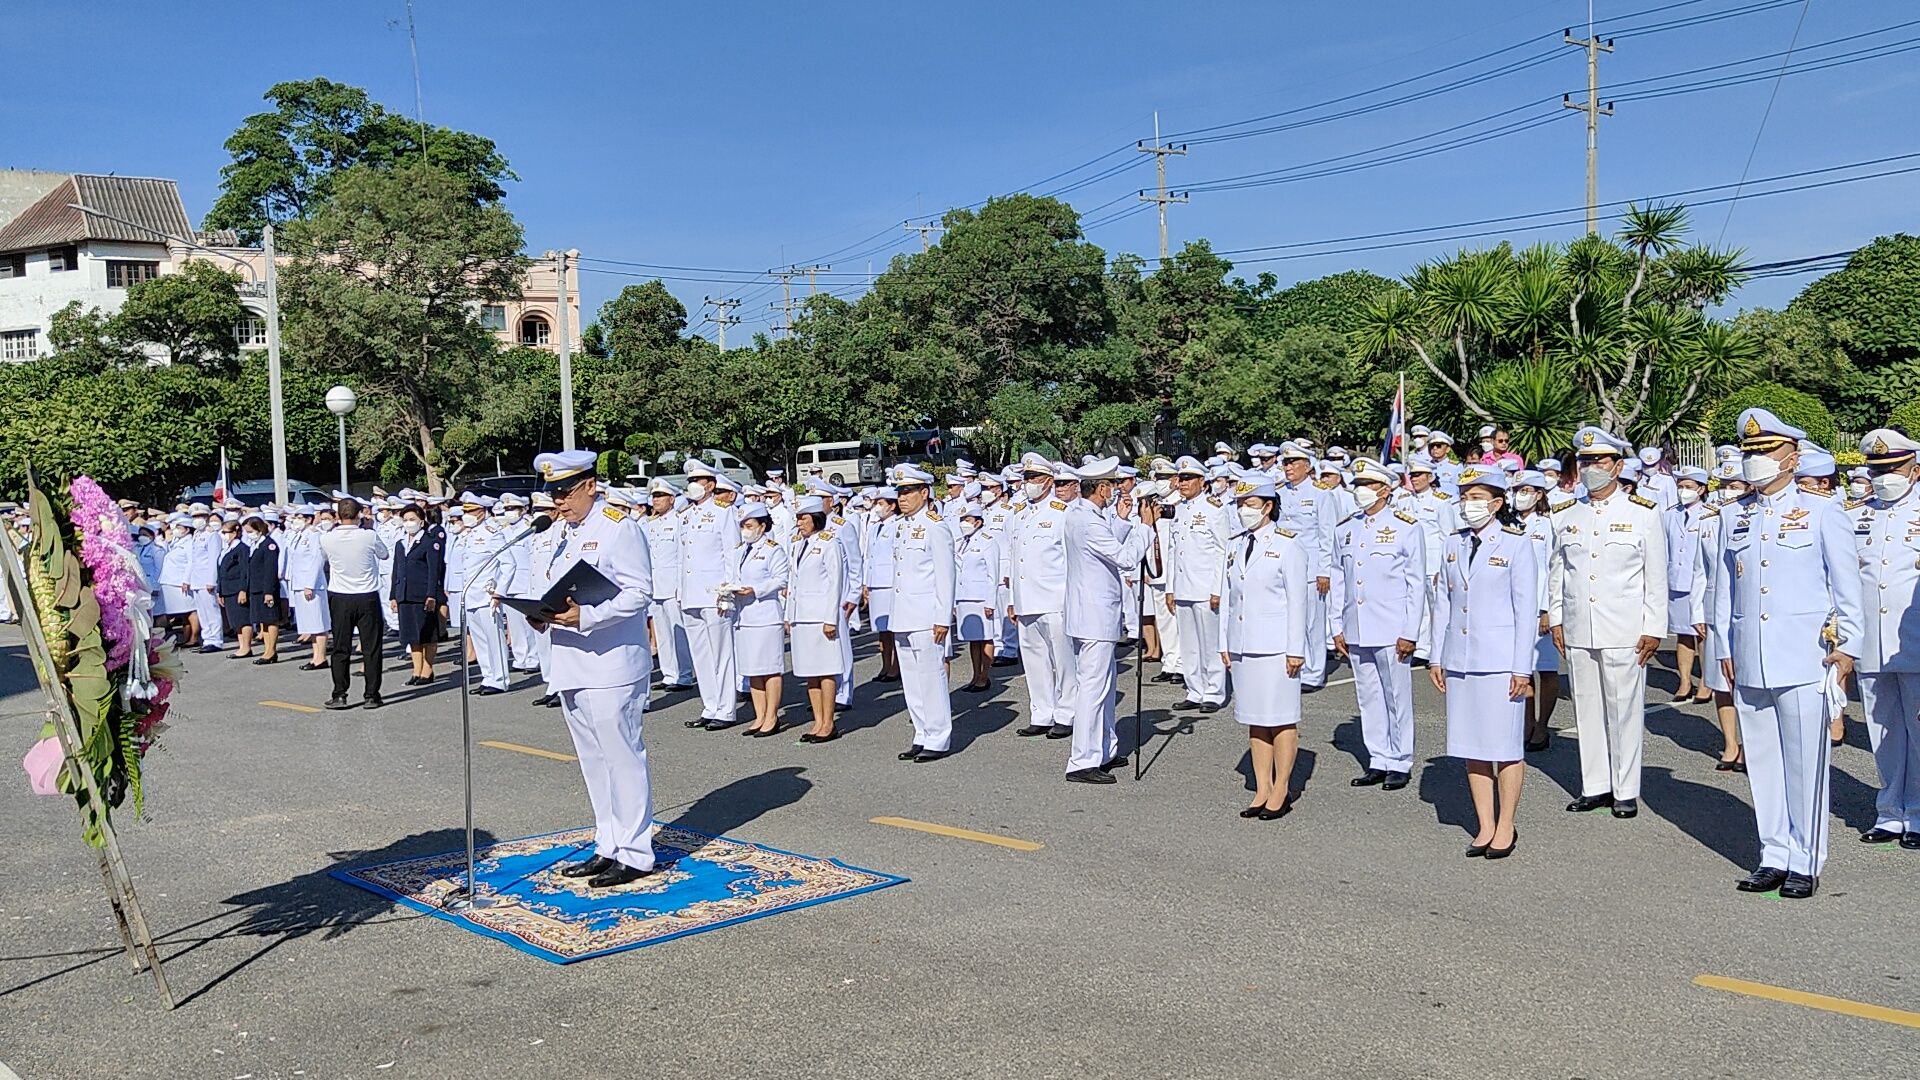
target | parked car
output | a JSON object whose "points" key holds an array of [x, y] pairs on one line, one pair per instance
{"points": [[257, 492], [672, 467], [852, 463], [513, 483]]}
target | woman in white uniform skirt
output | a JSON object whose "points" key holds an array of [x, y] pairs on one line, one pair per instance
{"points": [[876, 564], [1485, 628], [1733, 758], [759, 627], [979, 564], [1263, 637], [1528, 494], [307, 584], [815, 616], [176, 573]]}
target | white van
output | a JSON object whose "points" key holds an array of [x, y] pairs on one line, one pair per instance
{"points": [[845, 463]]}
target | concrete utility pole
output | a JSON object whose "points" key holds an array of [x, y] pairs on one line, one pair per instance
{"points": [[785, 303], [1160, 152], [277, 411], [813, 285], [724, 317], [562, 259], [924, 230], [1594, 111]]}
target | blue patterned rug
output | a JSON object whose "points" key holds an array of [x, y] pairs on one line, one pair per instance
{"points": [[704, 883]]}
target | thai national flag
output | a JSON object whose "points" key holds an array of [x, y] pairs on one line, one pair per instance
{"points": [[220, 482], [1396, 424]]}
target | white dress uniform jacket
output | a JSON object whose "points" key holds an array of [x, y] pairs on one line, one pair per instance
{"points": [[1887, 538], [923, 599]]}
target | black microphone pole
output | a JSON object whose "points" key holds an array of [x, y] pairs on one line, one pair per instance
{"points": [[464, 899]]}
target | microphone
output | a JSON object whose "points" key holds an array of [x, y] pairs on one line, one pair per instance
{"points": [[540, 523]]}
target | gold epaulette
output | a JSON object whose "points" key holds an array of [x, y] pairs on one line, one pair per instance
{"points": [[933, 515], [825, 534], [1214, 500], [1406, 517], [1438, 494], [615, 513], [1056, 504], [1853, 504], [1711, 511], [1288, 533], [1641, 500], [1516, 530], [1554, 508]]}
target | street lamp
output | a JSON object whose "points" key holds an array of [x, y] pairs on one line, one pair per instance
{"points": [[341, 401], [275, 408]]}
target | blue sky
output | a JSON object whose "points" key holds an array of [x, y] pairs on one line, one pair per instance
{"points": [[750, 135]]}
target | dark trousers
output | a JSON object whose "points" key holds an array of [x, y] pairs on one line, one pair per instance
{"points": [[356, 611]]}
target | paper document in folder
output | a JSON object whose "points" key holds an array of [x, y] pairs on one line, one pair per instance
{"points": [[581, 583]]}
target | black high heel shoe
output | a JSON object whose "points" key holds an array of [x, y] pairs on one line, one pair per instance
{"points": [[1474, 851], [1271, 815], [1501, 853], [1253, 812]]}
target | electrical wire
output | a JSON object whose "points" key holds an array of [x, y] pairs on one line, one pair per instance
{"points": [[1764, 115]]}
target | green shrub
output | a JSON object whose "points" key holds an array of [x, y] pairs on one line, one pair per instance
{"points": [[1801, 410]]}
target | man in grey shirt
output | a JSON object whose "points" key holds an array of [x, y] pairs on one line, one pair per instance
{"points": [[354, 552]]}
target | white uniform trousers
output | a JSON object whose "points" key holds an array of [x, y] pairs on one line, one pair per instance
{"points": [[456, 616], [923, 682], [1892, 700], [543, 654], [1009, 645], [710, 637], [387, 611], [1784, 734], [670, 641], [1383, 683], [526, 654], [1314, 671], [843, 686], [1130, 609], [1047, 657], [605, 724], [1094, 741], [1173, 658], [213, 630], [1610, 713], [488, 633], [1206, 673], [1423, 641]]}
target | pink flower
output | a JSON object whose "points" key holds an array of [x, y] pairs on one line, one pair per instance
{"points": [[107, 550], [43, 766]]}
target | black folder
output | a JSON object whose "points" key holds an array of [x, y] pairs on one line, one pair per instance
{"points": [[581, 583]]}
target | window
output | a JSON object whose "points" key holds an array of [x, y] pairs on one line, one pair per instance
{"points": [[534, 331], [250, 332], [840, 453], [63, 258], [13, 266], [19, 344], [123, 273], [493, 317]]}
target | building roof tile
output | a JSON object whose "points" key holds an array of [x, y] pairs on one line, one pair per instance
{"points": [[152, 204]]}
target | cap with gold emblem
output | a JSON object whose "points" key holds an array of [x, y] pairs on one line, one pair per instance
{"points": [[1885, 446], [561, 471], [1591, 441], [1761, 431]]}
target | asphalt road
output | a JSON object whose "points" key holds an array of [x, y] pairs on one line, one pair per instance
{"points": [[1153, 934]]}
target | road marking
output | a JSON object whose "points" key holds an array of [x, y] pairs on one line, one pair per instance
{"points": [[550, 755], [1340, 682], [1811, 1001], [290, 705], [958, 834]]}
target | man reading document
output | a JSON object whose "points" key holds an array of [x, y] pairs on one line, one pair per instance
{"points": [[600, 665]]}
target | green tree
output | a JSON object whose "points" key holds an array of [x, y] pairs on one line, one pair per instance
{"points": [[1877, 297], [384, 289], [1337, 302], [191, 315], [87, 338], [1803, 411], [287, 160], [1803, 350]]}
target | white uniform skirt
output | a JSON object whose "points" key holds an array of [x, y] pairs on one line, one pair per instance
{"points": [[1678, 604], [1483, 723], [814, 655], [880, 606], [1263, 695], [978, 620], [311, 616], [175, 602], [761, 650]]}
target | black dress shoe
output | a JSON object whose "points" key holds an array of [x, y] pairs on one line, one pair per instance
{"points": [[1368, 778], [1474, 851], [1185, 706], [1118, 761], [1626, 808], [1090, 776], [925, 756], [1534, 748], [373, 701], [721, 725], [1395, 781], [1911, 841], [1797, 887], [553, 701], [1031, 730], [1765, 879], [338, 701], [971, 689], [1311, 689], [542, 701], [1724, 765], [617, 874], [1179, 680], [767, 733], [909, 753], [1267, 814], [1590, 802], [698, 721], [1503, 852], [209, 648], [487, 691], [1253, 812], [1060, 731], [1163, 677], [1006, 661], [586, 867], [1879, 836], [1210, 706], [675, 688]]}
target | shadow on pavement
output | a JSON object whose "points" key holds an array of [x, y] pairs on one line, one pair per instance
{"points": [[727, 808], [1717, 819], [1443, 786]]}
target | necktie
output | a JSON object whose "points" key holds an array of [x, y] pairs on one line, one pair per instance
{"points": [[1475, 553]]}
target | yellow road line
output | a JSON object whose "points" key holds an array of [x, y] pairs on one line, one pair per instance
{"points": [[1811, 1001], [958, 834], [534, 750], [290, 705]]}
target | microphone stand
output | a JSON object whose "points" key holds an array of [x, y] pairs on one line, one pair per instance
{"points": [[464, 898]]}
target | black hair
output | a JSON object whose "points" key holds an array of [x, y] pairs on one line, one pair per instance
{"points": [[818, 517]]}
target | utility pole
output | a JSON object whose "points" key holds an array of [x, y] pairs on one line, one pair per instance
{"points": [[1594, 111], [924, 229], [276, 410], [812, 281], [785, 303], [1160, 152], [562, 259], [724, 317]]}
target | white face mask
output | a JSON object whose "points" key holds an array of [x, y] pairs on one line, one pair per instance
{"points": [[1486, 446], [1219, 487], [1525, 500], [180, 532], [1365, 496], [1688, 496], [409, 527], [989, 496], [1891, 487], [469, 520], [750, 534], [514, 516], [700, 489], [1857, 489], [1251, 517], [456, 526], [1595, 477], [143, 541], [324, 526], [1477, 512], [1035, 490], [1759, 469], [968, 528]]}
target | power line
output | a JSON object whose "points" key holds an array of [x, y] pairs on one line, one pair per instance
{"points": [[1767, 112]]}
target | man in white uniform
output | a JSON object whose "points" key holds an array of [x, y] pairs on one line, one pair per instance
{"points": [[1380, 599], [1102, 547], [1889, 669], [1037, 585], [923, 572], [1199, 532], [600, 667], [1607, 606], [669, 631], [707, 535], [482, 580]]}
